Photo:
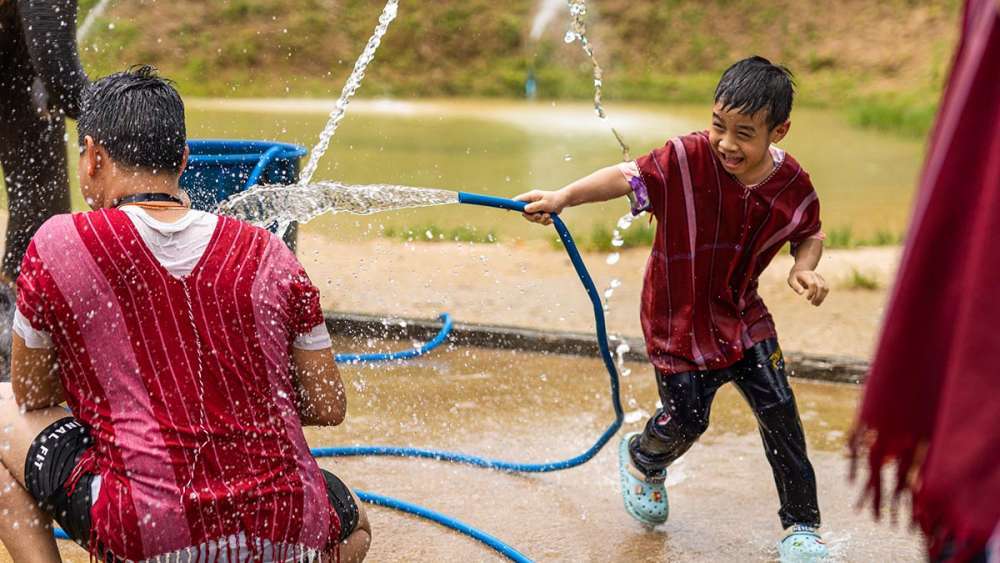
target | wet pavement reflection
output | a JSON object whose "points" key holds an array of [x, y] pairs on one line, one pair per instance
{"points": [[536, 407]]}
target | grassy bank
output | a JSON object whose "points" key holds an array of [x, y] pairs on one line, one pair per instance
{"points": [[881, 62], [601, 239]]}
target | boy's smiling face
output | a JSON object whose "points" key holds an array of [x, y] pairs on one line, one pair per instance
{"points": [[741, 142]]}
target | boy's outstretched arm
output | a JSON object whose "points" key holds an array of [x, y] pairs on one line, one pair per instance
{"points": [[602, 185], [803, 277]]}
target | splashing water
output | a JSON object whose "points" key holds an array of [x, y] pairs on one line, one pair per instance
{"points": [[350, 87], [620, 351], [632, 417], [267, 204], [88, 22], [547, 9], [282, 205], [617, 241], [578, 32]]}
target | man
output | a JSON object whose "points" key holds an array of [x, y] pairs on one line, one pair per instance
{"points": [[191, 349]]}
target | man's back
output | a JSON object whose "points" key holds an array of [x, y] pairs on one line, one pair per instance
{"points": [[183, 382]]}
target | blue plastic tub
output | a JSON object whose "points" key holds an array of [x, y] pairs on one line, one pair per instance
{"points": [[218, 169]]}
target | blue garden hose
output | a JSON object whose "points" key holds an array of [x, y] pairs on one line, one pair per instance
{"points": [[602, 341], [441, 336], [447, 521], [514, 467]]}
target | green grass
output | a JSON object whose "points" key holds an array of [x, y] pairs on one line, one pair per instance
{"points": [[478, 48], [434, 233], [640, 234], [862, 281], [844, 237], [909, 114]]}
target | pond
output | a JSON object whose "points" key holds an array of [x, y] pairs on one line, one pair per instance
{"points": [[865, 179]]}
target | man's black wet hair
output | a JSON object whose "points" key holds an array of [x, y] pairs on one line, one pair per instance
{"points": [[754, 84], [138, 117]]}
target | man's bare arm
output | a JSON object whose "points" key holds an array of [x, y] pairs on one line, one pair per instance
{"points": [[34, 376], [323, 401]]}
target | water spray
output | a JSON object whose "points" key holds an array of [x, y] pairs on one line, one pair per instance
{"points": [[350, 87], [88, 22], [578, 32], [261, 205]]}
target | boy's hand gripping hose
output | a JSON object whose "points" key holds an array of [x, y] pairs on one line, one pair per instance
{"points": [[510, 466]]}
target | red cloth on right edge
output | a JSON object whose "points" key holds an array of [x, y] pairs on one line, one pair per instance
{"points": [[935, 379]]}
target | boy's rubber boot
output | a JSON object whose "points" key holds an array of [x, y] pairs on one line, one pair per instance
{"points": [[802, 544], [645, 498]]}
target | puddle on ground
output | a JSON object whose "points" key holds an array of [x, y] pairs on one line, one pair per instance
{"points": [[535, 407]]}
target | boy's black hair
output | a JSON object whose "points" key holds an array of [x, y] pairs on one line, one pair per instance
{"points": [[138, 117], [754, 84]]}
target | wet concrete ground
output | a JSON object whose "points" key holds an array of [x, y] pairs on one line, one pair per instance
{"points": [[532, 407]]}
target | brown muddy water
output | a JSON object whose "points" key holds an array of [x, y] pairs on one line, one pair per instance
{"points": [[534, 407]]}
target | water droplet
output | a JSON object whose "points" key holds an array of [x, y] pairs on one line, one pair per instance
{"points": [[570, 37], [613, 258], [635, 416], [567, 157]]}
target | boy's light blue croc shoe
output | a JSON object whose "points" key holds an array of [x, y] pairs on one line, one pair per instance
{"points": [[802, 544], [645, 499]]}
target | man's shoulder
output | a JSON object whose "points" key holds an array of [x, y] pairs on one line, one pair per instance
{"points": [[58, 224], [247, 232]]}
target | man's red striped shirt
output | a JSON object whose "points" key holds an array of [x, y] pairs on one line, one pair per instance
{"points": [[184, 384]]}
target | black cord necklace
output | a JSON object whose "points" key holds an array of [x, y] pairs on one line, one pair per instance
{"points": [[143, 197]]}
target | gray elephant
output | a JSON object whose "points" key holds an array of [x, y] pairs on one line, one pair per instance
{"points": [[40, 85]]}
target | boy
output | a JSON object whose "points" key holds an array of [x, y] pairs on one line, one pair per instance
{"points": [[725, 202], [191, 349]]}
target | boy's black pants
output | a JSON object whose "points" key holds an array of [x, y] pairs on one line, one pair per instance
{"points": [[760, 377]]}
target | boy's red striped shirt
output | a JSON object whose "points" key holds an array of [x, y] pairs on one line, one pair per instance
{"points": [[714, 237]]}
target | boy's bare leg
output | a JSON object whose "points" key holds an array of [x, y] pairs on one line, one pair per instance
{"points": [[24, 529], [355, 547]]}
